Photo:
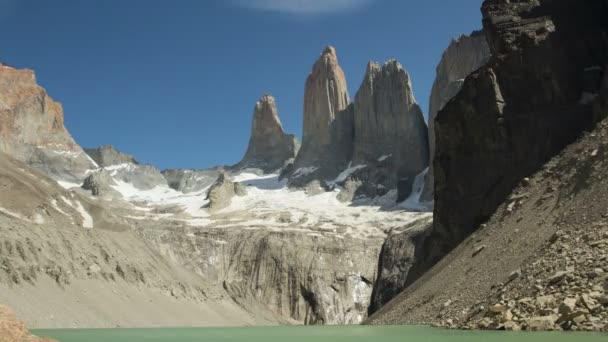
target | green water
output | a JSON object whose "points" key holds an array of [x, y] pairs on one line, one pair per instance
{"points": [[310, 334]]}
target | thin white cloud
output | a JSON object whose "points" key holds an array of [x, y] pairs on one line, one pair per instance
{"points": [[303, 6]]}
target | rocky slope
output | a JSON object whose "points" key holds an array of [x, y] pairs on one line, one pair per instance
{"points": [[463, 56], [390, 133], [12, 330], [539, 263], [69, 260], [526, 104], [327, 132], [270, 149], [32, 130]]}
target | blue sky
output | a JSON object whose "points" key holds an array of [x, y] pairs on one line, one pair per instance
{"points": [[175, 82]]}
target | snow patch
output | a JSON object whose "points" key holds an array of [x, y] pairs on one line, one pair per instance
{"points": [[38, 219], [13, 214], [345, 174], [413, 202], [67, 185], [87, 219], [56, 206], [304, 171], [384, 157]]}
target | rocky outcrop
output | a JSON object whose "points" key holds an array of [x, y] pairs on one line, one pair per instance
{"points": [[32, 129], [397, 257], [525, 105], [222, 191], [269, 149], [303, 277], [139, 176], [390, 131], [107, 155], [188, 181], [100, 184], [13, 330], [123, 167], [463, 56], [328, 122]]}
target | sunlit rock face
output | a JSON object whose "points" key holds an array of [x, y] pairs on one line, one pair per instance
{"points": [[308, 278], [269, 147], [32, 129], [328, 121], [391, 134]]}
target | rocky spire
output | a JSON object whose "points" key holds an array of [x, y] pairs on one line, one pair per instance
{"points": [[327, 133], [325, 96], [389, 124], [269, 147], [463, 56], [32, 130]]}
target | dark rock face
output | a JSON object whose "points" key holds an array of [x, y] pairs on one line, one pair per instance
{"points": [[397, 257], [463, 56], [269, 147], [525, 105], [107, 155], [328, 122], [389, 125]]}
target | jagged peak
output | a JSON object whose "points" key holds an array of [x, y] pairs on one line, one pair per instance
{"points": [[393, 65], [389, 67], [330, 50], [267, 98], [372, 68]]}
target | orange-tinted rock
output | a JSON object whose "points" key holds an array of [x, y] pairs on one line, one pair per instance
{"points": [[13, 330], [32, 129]]}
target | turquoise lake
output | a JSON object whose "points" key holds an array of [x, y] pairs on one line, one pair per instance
{"points": [[311, 334]]}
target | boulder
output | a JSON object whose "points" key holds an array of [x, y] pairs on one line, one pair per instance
{"points": [[100, 184], [221, 193], [542, 323]]}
